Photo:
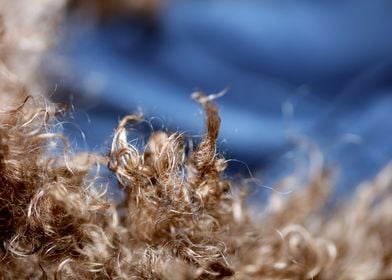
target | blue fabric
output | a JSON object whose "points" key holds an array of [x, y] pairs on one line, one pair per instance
{"points": [[322, 69]]}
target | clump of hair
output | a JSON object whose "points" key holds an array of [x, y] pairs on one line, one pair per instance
{"points": [[179, 217]]}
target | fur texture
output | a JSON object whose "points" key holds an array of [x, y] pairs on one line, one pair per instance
{"points": [[179, 217]]}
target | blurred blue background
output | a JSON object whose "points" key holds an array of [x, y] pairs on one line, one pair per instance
{"points": [[320, 70]]}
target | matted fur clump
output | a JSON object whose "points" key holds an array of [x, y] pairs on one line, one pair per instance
{"points": [[178, 219]]}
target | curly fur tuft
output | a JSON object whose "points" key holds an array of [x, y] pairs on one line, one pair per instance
{"points": [[179, 217]]}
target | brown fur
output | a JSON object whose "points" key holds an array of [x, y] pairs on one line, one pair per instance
{"points": [[179, 218]]}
